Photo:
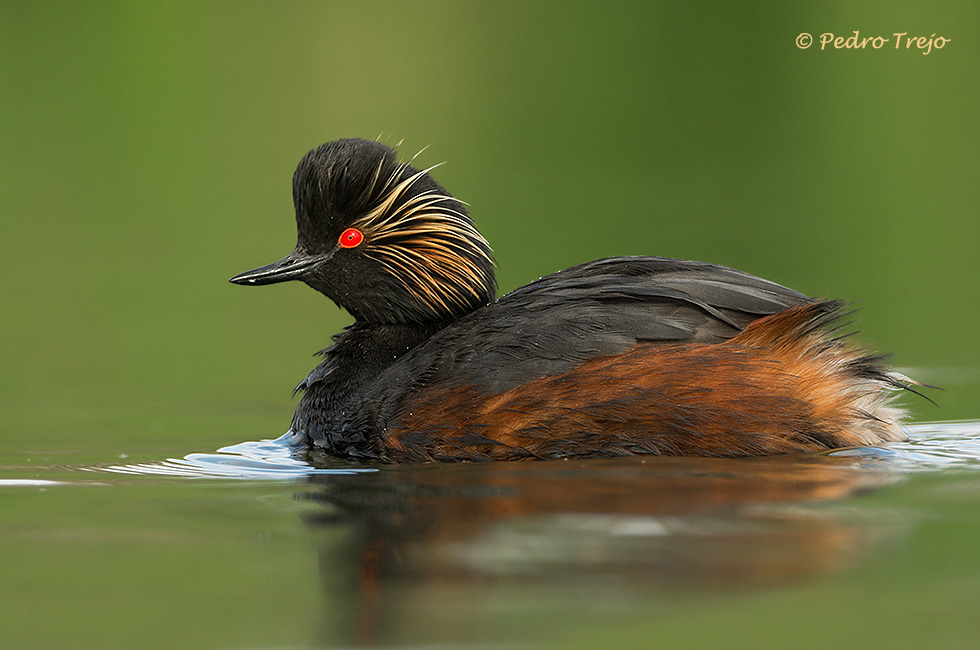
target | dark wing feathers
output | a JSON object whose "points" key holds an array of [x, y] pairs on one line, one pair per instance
{"points": [[595, 309]]}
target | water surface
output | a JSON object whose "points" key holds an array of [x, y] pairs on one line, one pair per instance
{"points": [[258, 546]]}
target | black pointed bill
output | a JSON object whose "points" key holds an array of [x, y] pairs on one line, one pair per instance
{"points": [[294, 266]]}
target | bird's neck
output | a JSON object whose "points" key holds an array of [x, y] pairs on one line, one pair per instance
{"points": [[365, 349], [334, 394]]}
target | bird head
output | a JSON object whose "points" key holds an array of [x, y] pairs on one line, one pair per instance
{"points": [[381, 238]]}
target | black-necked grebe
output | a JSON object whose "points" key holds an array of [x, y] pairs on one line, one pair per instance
{"points": [[620, 356]]}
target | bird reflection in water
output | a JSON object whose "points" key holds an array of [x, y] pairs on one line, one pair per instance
{"points": [[429, 553]]}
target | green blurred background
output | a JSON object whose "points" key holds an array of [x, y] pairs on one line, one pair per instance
{"points": [[146, 151]]}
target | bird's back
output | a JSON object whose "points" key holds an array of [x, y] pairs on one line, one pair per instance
{"points": [[601, 308]]}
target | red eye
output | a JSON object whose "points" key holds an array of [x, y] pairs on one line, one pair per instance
{"points": [[351, 238]]}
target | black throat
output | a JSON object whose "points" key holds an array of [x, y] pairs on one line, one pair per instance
{"points": [[336, 412]]}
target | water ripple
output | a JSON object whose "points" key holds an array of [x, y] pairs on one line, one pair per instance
{"points": [[931, 446], [259, 460]]}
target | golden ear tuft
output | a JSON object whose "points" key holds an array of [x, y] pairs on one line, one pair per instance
{"points": [[426, 243]]}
